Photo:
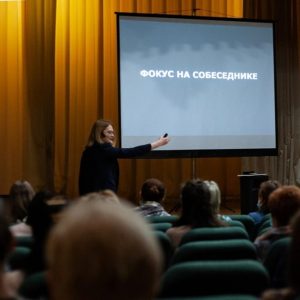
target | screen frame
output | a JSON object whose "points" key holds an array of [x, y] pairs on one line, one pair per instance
{"points": [[194, 153]]}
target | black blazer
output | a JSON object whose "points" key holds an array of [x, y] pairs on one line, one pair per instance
{"points": [[99, 168]]}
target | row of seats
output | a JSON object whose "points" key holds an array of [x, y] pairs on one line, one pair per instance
{"points": [[216, 263], [163, 223]]}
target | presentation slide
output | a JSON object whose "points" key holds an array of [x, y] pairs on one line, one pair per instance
{"points": [[208, 83]]}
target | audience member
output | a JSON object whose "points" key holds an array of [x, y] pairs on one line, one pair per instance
{"points": [[98, 251], [43, 213], [293, 290], [105, 195], [283, 203], [197, 210], [215, 198], [20, 196], [265, 189], [10, 281], [152, 195]]}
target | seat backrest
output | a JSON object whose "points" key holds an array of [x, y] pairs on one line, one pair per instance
{"points": [[18, 258], [214, 233], [166, 247], [248, 223], [215, 250], [276, 262], [34, 286], [202, 278], [162, 219], [264, 227], [24, 241]]}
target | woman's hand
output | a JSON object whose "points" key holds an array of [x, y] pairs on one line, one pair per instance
{"points": [[160, 142]]}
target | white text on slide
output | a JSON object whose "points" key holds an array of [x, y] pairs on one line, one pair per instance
{"points": [[199, 74]]}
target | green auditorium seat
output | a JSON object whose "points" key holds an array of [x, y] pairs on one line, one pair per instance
{"points": [[24, 241], [162, 219], [215, 233], [166, 247], [215, 250], [204, 278], [276, 262], [18, 258], [34, 286], [248, 223]]}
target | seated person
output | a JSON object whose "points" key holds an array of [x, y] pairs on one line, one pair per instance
{"points": [[283, 204], [152, 195], [197, 211], [293, 290], [9, 281], [215, 198], [20, 196], [265, 189], [43, 213], [98, 250]]}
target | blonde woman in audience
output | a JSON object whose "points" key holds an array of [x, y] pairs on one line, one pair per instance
{"points": [[197, 211], [20, 195], [102, 250], [152, 195], [215, 198]]}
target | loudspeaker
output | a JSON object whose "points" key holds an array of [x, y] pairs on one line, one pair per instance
{"points": [[249, 186]]}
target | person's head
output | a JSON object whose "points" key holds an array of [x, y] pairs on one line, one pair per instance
{"points": [[153, 190], [265, 189], [283, 203], [20, 195], [98, 251], [101, 132], [104, 195], [215, 195], [196, 204]]}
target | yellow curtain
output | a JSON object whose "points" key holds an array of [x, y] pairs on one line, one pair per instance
{"points": [[64, 77], [12, 96], [26, 92], [77, 81]]}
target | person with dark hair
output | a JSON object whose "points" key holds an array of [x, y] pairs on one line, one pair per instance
{"points": [[283, 203], [265, 189], [20, 194], [197, 210], [152, 195], [99, 168], [42, 215]]}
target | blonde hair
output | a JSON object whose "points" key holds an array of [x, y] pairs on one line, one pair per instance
{"points": [[96, 134], [97, 251], [215, 195], [105, 195]]}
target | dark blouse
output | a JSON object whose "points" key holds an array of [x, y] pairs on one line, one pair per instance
{"points": [[99, 168]]}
